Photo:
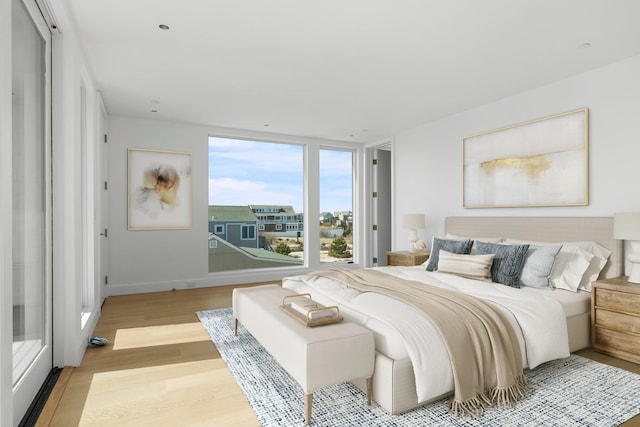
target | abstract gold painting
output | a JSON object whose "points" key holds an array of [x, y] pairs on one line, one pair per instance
{"points": [[542, 162]]}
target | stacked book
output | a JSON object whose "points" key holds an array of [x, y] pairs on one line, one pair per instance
{"points": [[311, 309]]}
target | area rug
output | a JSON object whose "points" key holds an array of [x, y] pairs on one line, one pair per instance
{"points": [[570, 392]]}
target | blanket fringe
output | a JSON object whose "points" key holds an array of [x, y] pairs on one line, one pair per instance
{"points": [[505, 397], [470, 408], [500, 397]]}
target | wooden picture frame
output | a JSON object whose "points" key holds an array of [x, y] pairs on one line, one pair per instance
{"points": [[542, 162]]}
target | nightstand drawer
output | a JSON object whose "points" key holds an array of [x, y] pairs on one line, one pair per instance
{"points": [[615, 317], [622, 301], [406, 258], [616, 341], [617, 321]]}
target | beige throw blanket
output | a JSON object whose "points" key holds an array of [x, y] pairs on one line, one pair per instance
{"points": [[483, 348]]}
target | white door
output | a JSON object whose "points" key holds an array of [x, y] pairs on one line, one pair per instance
{"points": [[381, 204], [31, 203]]}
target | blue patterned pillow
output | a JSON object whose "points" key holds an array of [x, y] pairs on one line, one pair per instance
{"points": [[538, 264], [453, 246], [508, 262]]}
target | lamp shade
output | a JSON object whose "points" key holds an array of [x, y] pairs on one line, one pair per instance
{"points": [[413, 221], [626, 226]]}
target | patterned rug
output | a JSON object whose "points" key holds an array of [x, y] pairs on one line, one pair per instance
{"points": [[570, 392]]}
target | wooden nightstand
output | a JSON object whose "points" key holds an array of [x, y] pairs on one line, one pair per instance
{"points": [[406, 258], [615, 318]]}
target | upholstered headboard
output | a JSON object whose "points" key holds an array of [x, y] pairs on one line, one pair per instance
{"points": [[545, 229]]}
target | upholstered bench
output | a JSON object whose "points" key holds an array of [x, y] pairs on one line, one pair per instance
{"points": [[314, 357]]}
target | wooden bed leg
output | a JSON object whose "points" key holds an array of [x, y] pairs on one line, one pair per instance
{"points": [[308, 398], [369, 390], [235, 327]]}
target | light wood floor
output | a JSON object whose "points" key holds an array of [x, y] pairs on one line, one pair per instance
{"points": [[161, 369]]}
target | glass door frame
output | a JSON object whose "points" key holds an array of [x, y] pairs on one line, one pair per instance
{"points": [[27, 385]]}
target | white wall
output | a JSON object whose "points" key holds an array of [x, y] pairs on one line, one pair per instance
{"points": [[431, 154], [146, 261], [71, 236]]}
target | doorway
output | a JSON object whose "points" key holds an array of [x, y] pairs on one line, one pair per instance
{"points": [[381, 202]]}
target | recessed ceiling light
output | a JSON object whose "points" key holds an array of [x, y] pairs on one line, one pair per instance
{"points": [[584, 46], [163, 27]]}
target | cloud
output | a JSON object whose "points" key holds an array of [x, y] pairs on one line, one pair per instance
{"points": [[225, 155], [234, 192], [245, 172]]}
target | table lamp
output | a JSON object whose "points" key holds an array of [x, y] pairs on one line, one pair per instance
{"points": [[626, 226], [413, 222]]}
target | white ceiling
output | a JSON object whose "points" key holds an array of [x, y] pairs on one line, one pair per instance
{"points": [[354, 70]]}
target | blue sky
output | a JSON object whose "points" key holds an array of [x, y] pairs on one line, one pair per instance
{"points": [[248, 172]]}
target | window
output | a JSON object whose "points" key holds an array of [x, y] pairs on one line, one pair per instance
{"points": [[336, 203], [257, 193], [253, 185], [248, 232]]}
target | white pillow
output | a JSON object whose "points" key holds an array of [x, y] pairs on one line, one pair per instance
{"points": [[471, 266], [568, 271], [576, 265], [481, 239], [599, 260]]}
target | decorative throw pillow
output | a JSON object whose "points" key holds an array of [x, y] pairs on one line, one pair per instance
{"points": [[471, 266], [508, 262], [475, 240], [454, 246], [538, 264]]}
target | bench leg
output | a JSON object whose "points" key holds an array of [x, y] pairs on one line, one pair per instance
{"points": [[235, 327], [369, 390], [308, 398]]}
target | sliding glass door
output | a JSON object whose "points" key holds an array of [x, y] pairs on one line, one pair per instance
{"points": [[31, 203]]}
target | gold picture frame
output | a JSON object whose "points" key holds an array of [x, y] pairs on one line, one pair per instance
{"points": [[159, 190], [542, 162]]}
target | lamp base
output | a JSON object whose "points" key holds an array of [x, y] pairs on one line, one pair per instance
{"points": [[413, 238], [634, 259], [634, 276]]}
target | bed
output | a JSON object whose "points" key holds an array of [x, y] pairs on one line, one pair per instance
{"points": [[394, 382]]}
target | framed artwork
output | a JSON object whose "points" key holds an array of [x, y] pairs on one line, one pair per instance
{"points": [[541, 162], [159, 190]]}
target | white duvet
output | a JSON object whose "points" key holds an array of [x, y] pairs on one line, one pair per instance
{"points": [[538, 320]]}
